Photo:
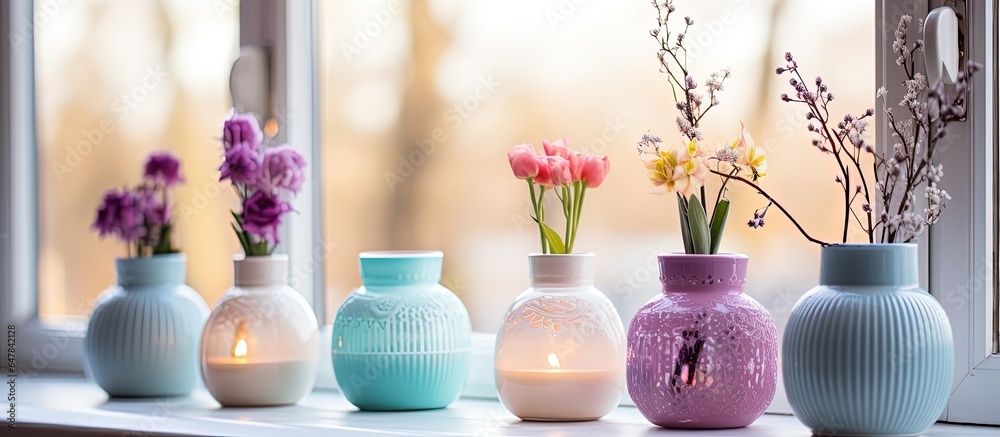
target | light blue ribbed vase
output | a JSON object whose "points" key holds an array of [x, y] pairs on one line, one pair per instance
{"points": [[868, 352], [142, 340], [401, 341]]}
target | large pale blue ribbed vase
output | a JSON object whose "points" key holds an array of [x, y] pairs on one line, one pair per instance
{"points": [[142, 340], [868, 352], [401, 341]]}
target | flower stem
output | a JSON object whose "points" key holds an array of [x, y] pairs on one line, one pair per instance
{"points": [[581, 192], [722, 189], [568, 206], [775, 202], [538, 217], [704, 205]]}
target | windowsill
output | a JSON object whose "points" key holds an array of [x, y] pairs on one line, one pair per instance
{"points": [[75, 406]]}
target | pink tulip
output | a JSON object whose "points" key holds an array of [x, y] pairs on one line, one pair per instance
{"points": [[558, 148], [523, 161], [559, 170], [576, 165], [595, 169], [544, 176]]}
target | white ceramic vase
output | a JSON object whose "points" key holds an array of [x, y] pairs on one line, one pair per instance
{"points": [[260, 346], [560, 353]]}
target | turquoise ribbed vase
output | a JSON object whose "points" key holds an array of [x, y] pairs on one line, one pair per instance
{"points": [[401, 341], [142, 340], [868, 352]]}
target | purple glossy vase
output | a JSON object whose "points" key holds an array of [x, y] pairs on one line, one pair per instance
{"points": [[702, 354]]}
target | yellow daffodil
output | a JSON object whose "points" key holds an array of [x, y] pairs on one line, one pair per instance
{"points": [[682, 170]]}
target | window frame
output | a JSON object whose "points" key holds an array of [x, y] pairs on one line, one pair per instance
{"points": [[286, 32], [960, 250], [56, 344], [48, 346], [17, 217]]}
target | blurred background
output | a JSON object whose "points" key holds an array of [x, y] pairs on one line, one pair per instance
{"points": [[116, 79], [420, 102]]}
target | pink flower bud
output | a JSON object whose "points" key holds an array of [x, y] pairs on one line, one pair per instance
{"points": [[559, 170], [576, 165], [544, 176], [558, 148], [523, 161], [594, 170]]}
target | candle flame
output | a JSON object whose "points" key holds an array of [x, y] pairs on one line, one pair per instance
{"points": [[240, 349], [553, 361], [240, 345]]}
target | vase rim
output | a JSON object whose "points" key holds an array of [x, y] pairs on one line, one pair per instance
{"points": [[700, 273], [868, 245], [890, 264], [159, 256], [557, 255], [260, 270], [396, 268], [273, 256], [727, 255], [561, 270], [389, 254], [170, 268]]}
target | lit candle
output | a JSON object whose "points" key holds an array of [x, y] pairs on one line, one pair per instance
{"points": [[245, 379], [240, 350], [560, 394]]}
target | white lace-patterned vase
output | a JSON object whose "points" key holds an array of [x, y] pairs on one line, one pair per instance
{"points": [[560, 353], [261, 343]]}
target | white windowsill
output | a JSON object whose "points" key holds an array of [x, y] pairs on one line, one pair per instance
{"points": [[76, 406]]}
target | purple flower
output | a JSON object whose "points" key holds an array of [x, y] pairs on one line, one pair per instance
{"points": [[241, 165], [262, 214], [152, 207], [119, 215], [241, 128], [163, 167], [284, 168]]}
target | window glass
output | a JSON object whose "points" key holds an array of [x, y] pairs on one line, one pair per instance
{"points": [[116, 79], [421, 100]]}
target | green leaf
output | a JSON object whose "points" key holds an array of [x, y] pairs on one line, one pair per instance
{"points": [[255, 249], [164, 245], [556, 245], [243, 241], [260, 249], [239, 220], [719, 223], [685, 229], [701, 238]]}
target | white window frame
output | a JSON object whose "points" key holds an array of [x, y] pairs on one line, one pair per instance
{"points": [[42, 346], [57, 345], [960, 250], [286, 31], [963, 245]]}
